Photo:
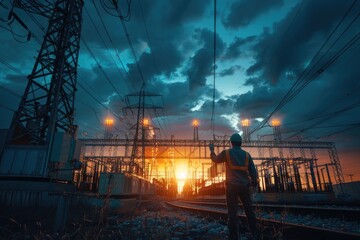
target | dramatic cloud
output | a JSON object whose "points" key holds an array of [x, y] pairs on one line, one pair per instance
{"points": [[168, 59], [237, 48], [262, 48], [229, 71], [293, 41], [201, 64], [179, 11], [244, 12]]}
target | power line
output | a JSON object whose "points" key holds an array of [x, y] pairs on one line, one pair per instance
{"points": [[95, 112], [340, 131], [129, 42], [8, 65], [341, 125], [101, 68], [154, 60], [334, 114], [321, 69], [96, 100], [212, 122], [10, 91], [113, 45], [114, 6], [39, 25], [122, 20], [7, 108], [106, 47], [295, 89], [314, 118]]}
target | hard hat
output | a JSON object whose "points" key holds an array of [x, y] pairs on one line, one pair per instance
{"points": [[235, 138]]}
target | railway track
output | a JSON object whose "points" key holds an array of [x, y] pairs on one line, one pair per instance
{"points": [[283, 223], [328, 211]]}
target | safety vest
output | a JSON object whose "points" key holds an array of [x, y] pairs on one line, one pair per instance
{"points": [[237, 167]]}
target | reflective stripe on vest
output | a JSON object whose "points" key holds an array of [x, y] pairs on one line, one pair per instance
{"points": [[237, 167]]}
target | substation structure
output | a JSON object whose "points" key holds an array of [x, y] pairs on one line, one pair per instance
{"points": [[283, 166]]}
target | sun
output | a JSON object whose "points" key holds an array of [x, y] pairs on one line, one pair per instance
{"points": [[181, 175]]}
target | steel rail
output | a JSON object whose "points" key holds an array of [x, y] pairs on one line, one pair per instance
{"points": [[290, 230]]}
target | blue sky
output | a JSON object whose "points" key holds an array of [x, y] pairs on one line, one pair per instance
{"points": [[262, 48]]}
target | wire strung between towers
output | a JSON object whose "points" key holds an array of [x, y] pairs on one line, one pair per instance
{"points": [[212, 124], [310, 73]]}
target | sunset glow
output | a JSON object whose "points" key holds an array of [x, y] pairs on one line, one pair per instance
{"points": [[181, 173]]}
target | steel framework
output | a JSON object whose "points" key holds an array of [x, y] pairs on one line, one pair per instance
{"points": [[190, 149], [47, 105], [137, 158]]}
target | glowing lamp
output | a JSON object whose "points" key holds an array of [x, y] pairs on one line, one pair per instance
{"points": [[195, 123], [245, 123], [146, 122], [275, 123], [109, 121]]}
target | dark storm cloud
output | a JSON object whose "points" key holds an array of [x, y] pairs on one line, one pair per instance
{"points": [[229, 71], [236, 49], [147, 27], [201, 64], [254, 81], [179, 102], [285, 49], [201, 67], [329, 100], [224, 103], [258, 102], [92, 30], [10, 50], [163, 59], [179, 11], [178, 99], [244, 12], [293, 41]]}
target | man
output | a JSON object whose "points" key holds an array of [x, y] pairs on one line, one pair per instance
{"points": [[239, 166]]}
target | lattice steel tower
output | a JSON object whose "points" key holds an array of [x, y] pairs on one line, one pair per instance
{"points": [[47, 105], [137, 158]]}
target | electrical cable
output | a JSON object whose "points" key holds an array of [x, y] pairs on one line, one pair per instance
{"points": [[7, 108], [95, 112], [96, 100], [130, 43], [292, 93], [106, 47], [354, 105], [10, 91], [7, 64], [340, 131], [212, 122], [153, 57], [101, 69], [113, 45]]}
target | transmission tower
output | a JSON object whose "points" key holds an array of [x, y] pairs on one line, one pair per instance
{"points": [[137, 158], [47, 105]]}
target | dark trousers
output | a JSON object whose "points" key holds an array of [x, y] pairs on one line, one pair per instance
{"points": [[232, 194]]}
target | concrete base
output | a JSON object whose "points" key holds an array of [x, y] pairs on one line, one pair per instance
{"points": [[47, 205]]}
